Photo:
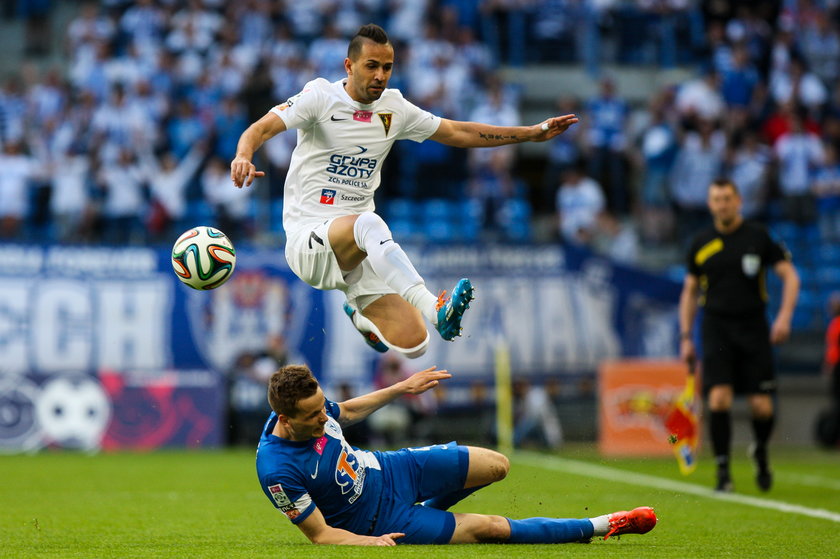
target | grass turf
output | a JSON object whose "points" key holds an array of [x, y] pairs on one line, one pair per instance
{"points": [[208, 504]]}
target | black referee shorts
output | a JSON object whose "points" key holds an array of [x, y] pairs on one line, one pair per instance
{"points": [[737, 351]]}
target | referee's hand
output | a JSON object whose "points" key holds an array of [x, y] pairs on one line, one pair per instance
{"points": [[780, 331]]}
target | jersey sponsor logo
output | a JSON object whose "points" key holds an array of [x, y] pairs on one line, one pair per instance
{"points": [[350, 198], [707, 251], [332, 118], [320, 443], [315, 473], [350, 474], [283, 502], [386, 121], [750, 264], [327, 196], [351, 166], [362, 116]]}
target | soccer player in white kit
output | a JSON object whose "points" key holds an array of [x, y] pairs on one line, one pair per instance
{"points": [[334, 240]]}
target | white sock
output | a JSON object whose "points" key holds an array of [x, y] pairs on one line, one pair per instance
{"points": [[422, 299], [391, 263], [362, 323], [600, 525]]}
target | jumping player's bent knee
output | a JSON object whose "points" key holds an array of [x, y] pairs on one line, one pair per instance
{"points": [[411, 352]]}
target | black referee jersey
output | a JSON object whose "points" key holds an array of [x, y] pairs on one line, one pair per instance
{"points": [[731, 268]]}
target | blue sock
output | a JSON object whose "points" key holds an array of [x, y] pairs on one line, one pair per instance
{"points": [[549, 530], [443, 502]]}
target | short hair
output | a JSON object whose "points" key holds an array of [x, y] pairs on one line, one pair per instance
{"points": [[723, 182], [370, 32], [288, 386]]}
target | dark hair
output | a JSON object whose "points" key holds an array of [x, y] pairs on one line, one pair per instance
{"points": [[371, 32], [723, 182], [288, 386]]}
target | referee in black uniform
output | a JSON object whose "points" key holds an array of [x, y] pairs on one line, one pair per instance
{"points": [[727, 266]]}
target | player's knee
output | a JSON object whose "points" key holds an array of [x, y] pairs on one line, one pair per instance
{"points": [[499, 466], [366, 223], [414, 350]]}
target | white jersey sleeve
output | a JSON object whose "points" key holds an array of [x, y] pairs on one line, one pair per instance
{"points": [[418, 124], [303, 109]]}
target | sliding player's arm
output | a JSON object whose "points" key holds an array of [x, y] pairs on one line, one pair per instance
{"points": [[357, 409], [315, 528]]}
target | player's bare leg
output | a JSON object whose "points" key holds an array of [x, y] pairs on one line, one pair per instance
{"points": [[354, 238]]}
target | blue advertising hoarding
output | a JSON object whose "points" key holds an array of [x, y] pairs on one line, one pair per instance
{"points": [[105, 348]]}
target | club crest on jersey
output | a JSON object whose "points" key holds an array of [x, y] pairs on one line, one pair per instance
{"points": [[362, 116], [386, 121], [327, 196], [750, 264]]}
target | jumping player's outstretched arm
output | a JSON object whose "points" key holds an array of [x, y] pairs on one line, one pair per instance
{"points": [[476, 135], [242, 171], [315, 528], [356, 409]]}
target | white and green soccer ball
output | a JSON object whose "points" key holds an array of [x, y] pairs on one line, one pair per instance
{"points": [[203, 258]]}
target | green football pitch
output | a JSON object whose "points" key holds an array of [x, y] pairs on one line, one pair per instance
{"points": [[208, 504]]}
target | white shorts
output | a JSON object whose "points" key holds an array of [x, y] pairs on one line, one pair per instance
{"points": [[312, 259]]}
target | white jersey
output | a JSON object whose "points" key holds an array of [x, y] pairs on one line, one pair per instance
{"points": [[341, 146]]}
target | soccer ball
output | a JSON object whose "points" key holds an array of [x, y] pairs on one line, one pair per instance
{"points": [[203, 258]]}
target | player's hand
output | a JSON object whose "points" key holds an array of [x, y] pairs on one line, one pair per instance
{"points": [[780, 331], [243, 172], [386, 539], [552, 127], [424, 380]]}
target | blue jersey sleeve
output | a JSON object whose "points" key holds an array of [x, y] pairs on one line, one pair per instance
{"points": [[290, 498], [332, 409]]}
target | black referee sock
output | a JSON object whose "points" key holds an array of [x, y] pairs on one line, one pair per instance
{"points": [[762, 429], [720, 428]]}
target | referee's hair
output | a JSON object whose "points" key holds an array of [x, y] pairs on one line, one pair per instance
{"points": [[723, 182], [371, 32]]}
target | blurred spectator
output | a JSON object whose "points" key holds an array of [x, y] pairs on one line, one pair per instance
{"points": [[748, 165], [700, 98], [657, 149], [70, 202], [491, 179], [831, 360], [616, 239], [563, 150], [826, 188], [535, 419], [231, 205], [18, 170], [606, 142], [168, 180], [820, 43], [799, 153], [122, 182], [580, 200], [798, 85], [247, 403], [699, 162]]}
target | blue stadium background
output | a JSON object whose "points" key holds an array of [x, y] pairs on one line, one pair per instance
{"points": [[118, 120]]}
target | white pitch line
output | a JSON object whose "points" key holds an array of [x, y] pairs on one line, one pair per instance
{"points": [[623, 476], [810, 480]]}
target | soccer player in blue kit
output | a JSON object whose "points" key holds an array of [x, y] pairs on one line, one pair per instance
{"points": [[339, 494], [334, 237]]}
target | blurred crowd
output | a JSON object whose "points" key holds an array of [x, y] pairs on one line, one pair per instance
{"points": [[129, 139]]}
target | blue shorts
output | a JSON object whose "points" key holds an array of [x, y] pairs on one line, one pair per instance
{"points": [[411, 476]]}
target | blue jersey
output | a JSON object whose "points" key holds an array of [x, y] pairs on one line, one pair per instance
{"points": [[344, 482]]}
